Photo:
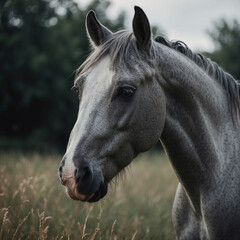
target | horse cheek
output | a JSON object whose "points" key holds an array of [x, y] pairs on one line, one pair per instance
{"points": [[150, 123]]}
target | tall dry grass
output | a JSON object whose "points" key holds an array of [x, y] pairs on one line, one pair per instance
{"points": [[33, 204]]}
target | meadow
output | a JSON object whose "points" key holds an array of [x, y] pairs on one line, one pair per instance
{"points": [[34, 205]]}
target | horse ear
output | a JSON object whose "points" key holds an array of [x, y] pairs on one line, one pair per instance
{"points": [[141, 27], [96, 31]]}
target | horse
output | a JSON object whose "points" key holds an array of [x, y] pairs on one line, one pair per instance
{"points": [[134, 90]]}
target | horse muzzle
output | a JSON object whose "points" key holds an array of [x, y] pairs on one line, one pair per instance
{"points": [[83, 183]]}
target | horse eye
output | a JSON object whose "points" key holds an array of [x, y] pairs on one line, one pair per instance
{"points": [[127, 92]]}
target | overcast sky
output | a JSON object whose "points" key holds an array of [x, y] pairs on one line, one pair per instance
{"points": [[185, 20]]}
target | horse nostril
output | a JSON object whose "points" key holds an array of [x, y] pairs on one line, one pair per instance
{"points": [[75, 172], [60, 171], [83, 174], [87, 174], [76, 175]]}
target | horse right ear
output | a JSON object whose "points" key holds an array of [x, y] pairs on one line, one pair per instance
{"points": [[96, 31], [141, 28]]}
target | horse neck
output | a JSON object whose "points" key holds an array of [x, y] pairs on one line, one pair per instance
{"points": [[198, 127]]}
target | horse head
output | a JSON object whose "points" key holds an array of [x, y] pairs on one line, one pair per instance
{"points": [[121, 111]]}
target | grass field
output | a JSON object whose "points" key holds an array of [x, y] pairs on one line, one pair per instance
{"points": [[33, 204]]}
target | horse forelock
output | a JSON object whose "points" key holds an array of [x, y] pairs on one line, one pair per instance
{"points": [[121, 47]]}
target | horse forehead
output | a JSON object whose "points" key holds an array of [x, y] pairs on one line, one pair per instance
{"points": [[101, 75]]}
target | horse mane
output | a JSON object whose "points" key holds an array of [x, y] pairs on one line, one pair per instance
{"points": [[121, 44], [227, 81]]}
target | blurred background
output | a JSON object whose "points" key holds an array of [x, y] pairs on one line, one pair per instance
{"points": [[42, 42]]}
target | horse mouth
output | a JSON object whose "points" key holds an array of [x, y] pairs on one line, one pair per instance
{"points": [[73, 193], [99, 194]]}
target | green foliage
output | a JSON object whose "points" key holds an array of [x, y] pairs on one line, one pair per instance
{"points": [[41, 44], [226, 37]]}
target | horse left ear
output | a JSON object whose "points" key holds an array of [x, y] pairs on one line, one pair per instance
{"points": [[96, 31], [141, 27]]}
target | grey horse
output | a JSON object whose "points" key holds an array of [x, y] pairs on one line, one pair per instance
{"points": [[135, 90]]}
